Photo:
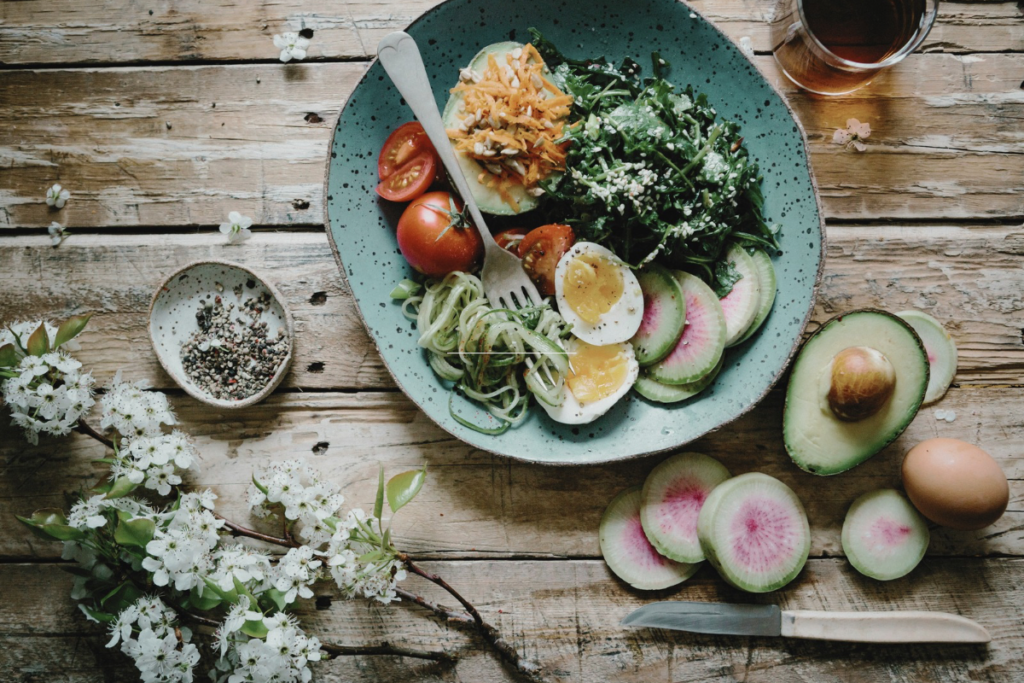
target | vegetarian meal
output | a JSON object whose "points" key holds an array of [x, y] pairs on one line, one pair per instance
{"points": [[634, 208]]}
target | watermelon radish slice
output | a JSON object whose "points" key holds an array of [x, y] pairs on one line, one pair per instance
{"points": [[754, 531], [664, 315], [884, 537], [627, 551], [672, 497], [701, 345], [769, 286], [654, 390], [941, 351], [740, 306]]}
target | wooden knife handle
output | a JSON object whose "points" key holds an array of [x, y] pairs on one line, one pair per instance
{"points": [[883, 627]]}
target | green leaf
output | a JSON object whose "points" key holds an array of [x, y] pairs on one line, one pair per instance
{"points": [[372, 556], [207, 601], [50, 524], [275, 596], [70, 329], [241, 589], [403, 487], [38, 342], [8, 356], [136, 532], [121, 488], [263, 489], [378, 505], [102, 617], [255, 629], [230, 596], [386, 542]]}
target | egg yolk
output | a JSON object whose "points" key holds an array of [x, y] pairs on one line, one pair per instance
{"points": [[596, 372], [591, 286]]}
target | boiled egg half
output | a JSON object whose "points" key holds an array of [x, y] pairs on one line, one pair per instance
{"points": [[598, 377], [598, 295]]}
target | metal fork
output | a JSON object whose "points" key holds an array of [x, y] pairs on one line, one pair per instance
{"points": [[505, 283]]}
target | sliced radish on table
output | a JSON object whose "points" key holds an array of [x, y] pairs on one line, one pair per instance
{"points": [[740, 306], [653, 390], [884, 536], [664, 315], [627, 551], [754, 531], [703, 340], [672, 498], [941, 350], [766, 299]]}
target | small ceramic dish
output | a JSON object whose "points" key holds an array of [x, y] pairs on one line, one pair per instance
{"points": [[172, 319]]}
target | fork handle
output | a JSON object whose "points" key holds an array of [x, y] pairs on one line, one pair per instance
{"points": [[400, 57]]}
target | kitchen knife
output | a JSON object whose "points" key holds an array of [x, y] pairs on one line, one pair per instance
{"points": [[769, 620]]}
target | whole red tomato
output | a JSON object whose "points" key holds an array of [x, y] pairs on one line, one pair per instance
{"points": [[435, 240]]}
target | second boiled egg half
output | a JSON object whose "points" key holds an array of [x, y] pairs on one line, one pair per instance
{"points": [[598, 295], [598, 377]]}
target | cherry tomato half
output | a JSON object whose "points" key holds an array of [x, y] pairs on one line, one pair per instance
{"points": [[431, 243], [511, 238], [541, 250], [407, 141], [411, 180]]}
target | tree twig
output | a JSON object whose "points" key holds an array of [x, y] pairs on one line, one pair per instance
{"points": [[84, 428], [386, 649], [239, 530], [529, 670], [452, 617]]}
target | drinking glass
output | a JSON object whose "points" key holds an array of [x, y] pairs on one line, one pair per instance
{"points": [[833, 47]]}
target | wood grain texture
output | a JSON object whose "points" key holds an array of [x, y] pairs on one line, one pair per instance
{"points": [[183, 146], [564, 615], [971, 278], [119, 31], [477, 504]]}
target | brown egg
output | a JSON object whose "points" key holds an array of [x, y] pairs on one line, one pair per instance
{"points": [[955, 484]]}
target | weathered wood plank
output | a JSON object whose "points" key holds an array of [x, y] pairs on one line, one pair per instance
{"points": [[103, 32], [565, 616], [969, 277], [174, 146], [476, 504]]}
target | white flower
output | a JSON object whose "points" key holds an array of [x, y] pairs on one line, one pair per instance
{"points": [[852, 135], [56, 196], [237, 227], [296, 488], [134, 412], [373, 580], [292, 46], [57, 233], [48, 394], [296, 572], [162, 652]]}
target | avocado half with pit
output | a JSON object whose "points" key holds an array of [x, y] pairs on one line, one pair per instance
{"points": [[487, 198], [856, 385]]}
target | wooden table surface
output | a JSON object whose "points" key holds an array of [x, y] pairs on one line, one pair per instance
{"points": [[161, 117]]}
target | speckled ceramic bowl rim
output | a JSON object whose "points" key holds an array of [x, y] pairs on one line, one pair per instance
{"points": [[289, 327], [613, 458]]}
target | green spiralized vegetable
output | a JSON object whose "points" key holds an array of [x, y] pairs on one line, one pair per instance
{"points": [[495, 356]]}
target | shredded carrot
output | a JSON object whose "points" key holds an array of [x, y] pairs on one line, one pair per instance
{"points": [[512, 117]]}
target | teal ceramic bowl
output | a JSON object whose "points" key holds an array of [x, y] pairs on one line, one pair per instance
{"points": [[362, 227]]}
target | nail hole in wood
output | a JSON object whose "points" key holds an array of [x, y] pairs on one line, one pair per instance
{"points": [[323, 602], [306, 33], [315, 367], [313, 117], [300, 204], [321, 448], [318, 298]]}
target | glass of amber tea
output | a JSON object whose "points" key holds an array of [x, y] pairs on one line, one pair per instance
{"points": [[832, 47]]}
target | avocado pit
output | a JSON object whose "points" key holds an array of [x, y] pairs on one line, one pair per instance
{"points": [[862, 381]]}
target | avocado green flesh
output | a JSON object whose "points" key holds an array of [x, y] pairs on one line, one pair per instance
{"points": [[819, 442], [488, 199]]}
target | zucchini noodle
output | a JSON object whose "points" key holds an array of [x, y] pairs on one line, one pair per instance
{"points": [[495, 356]]}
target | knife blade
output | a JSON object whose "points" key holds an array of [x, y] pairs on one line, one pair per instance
{"points": [[769, 620]]}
